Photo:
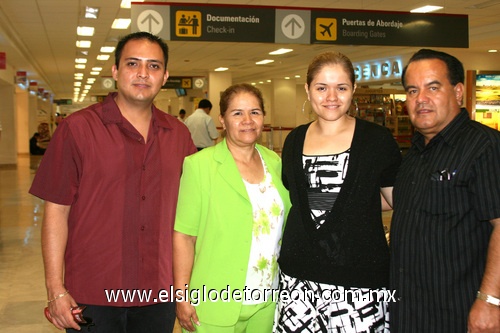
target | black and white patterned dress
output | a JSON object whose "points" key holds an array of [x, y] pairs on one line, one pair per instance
{"points": [[308, 306]]}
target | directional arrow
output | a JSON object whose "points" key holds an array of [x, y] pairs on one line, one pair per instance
{"points": [[150, 19], [293, 22]]}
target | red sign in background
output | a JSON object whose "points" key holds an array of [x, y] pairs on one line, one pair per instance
{"points": [[3, 60]]}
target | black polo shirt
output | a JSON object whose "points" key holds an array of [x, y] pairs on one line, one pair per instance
{"points": [[444, 196]]}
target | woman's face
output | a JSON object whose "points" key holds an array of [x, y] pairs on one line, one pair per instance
{"points": [[330, 92], [243, 120]]}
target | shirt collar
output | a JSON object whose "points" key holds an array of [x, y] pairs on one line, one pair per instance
{"points": [[111, 113]]}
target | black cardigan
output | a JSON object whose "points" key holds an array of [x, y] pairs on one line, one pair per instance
{"points": [[350, 248]]}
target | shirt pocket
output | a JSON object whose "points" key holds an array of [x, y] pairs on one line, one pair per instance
{"points": [[445, 198]]}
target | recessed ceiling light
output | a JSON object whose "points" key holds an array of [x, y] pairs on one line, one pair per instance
{"points": [[91, 12], [126, 3], [103, 57], [85, 31], [263, 62], [107, 49], [221, 69], [121, 24], [426, 9], [83, 43], [280, 51]]}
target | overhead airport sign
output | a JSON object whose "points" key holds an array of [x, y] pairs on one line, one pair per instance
{"points": [[265, 24]]}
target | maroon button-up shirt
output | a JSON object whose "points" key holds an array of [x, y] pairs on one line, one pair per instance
{"points": [[123, 195]]}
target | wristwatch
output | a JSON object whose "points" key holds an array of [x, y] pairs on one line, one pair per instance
{"points": [[488, 298]]}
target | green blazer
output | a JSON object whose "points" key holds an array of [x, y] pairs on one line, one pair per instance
{"points": [[214, 206]]}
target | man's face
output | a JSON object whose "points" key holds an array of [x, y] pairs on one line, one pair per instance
{"points": [[141, 72], [432, 101]]}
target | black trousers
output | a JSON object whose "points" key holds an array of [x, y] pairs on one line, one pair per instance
{"points": [[157, 318]]}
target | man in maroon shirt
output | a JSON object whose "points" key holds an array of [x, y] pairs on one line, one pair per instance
{"points": [[110, 180]]}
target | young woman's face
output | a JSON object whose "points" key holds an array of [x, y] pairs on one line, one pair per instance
{"points": [[330, 92]]}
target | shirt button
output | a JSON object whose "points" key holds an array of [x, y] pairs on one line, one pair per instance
{"points": [[143, 197], [143, 227]]}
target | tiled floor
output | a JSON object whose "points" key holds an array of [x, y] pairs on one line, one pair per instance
{"points": [[22, 291]]}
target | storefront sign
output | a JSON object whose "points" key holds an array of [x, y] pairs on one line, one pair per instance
{"points": [[378, 70], [266, 24]]}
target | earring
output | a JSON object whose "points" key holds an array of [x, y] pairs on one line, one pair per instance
{"points": [[303, 105]]}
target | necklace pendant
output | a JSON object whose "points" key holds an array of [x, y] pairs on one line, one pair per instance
{"points": [[262, 188]]}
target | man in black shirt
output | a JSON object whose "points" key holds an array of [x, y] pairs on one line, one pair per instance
{"points": [[445, 232]]}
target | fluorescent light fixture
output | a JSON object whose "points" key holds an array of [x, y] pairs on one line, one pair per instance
{"points": [[287, 78], [91, 12], [91, 80], [80, 66], [103, 57], [78, 74], [126, 3], [263, 62], [96, 69], [78, 77], [107, 49], [83, 43], [76, 89], [221, 69], [121, 24], [280, 51], [426, 9], [84, 93], [87, 86], [492, 51], [269, 81], [85, 31], [78, 84], [95, 73], [81, 60], [297, 76]]}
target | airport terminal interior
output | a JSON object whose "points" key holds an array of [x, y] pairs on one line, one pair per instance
{"points": [[39, 66]]}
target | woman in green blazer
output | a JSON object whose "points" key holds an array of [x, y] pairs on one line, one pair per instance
{"points": [[230, 218]]}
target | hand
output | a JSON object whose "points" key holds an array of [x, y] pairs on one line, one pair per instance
{"points": [[186, 314], [60, 313], [484, 318]]}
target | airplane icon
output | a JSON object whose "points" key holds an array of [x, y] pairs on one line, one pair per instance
{"points": [[327, 29]]}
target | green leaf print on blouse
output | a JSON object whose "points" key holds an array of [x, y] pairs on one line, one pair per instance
{"points": [[261, 225]]}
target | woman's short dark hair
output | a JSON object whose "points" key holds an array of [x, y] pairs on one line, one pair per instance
{"points": [[235, 89], [140, 35]]}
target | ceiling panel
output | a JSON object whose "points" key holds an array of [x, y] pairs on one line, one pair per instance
{"points": [[39, 36]]}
